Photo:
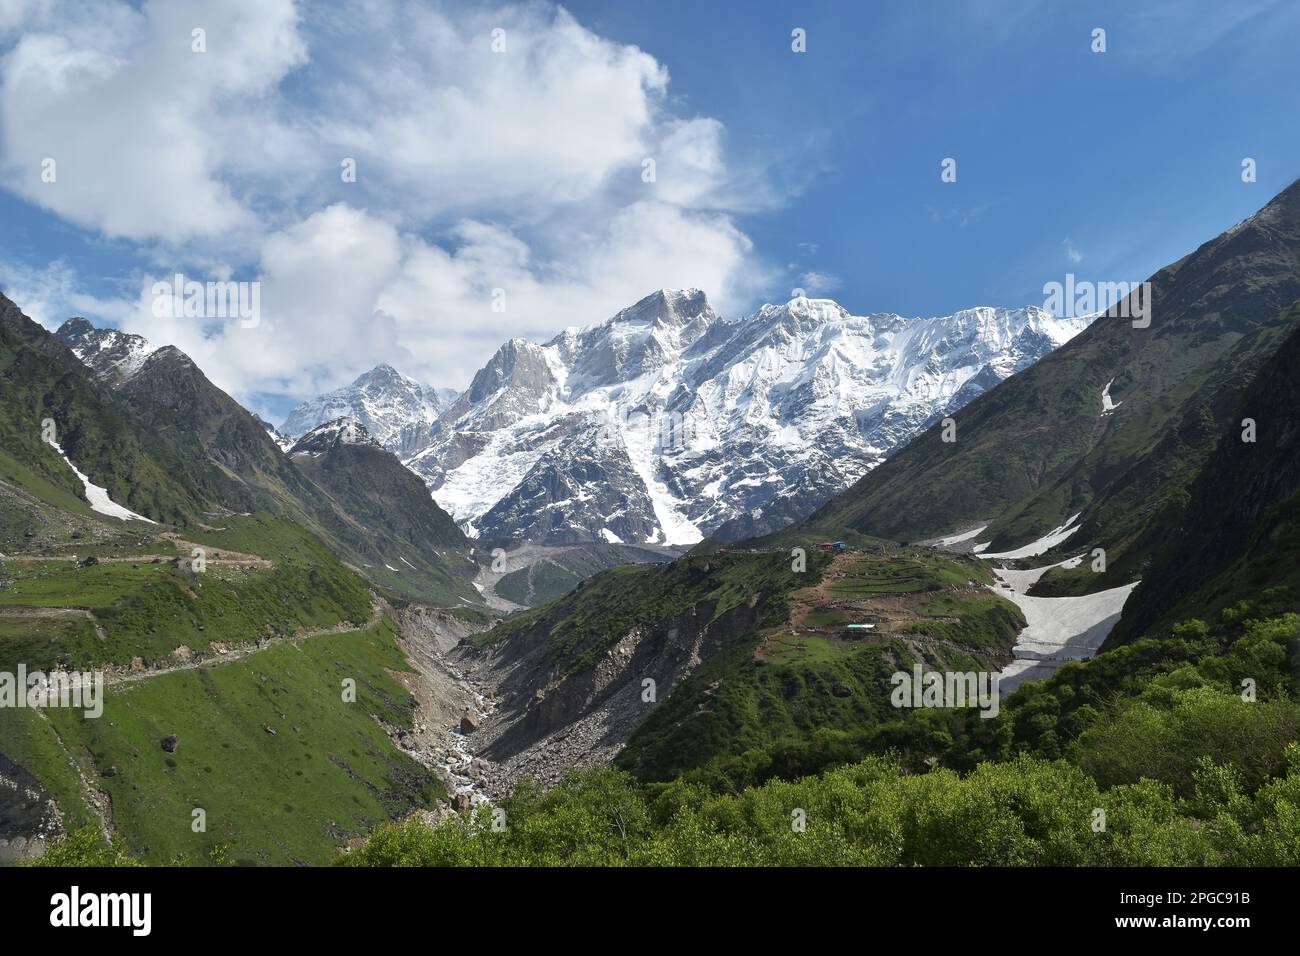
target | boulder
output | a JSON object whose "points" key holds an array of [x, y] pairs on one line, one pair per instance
{"points": [[170, 743]]}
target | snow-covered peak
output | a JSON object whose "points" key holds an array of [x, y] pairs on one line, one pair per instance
{"points": [[649, 335], [727, 427], [322, 438], [112, 355], [395, 409]]}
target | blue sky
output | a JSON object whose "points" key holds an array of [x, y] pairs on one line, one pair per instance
{"points": [[1133, 155], [521, 171]]}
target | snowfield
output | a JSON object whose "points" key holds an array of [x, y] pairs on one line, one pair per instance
{"points": [[1058, 629]]}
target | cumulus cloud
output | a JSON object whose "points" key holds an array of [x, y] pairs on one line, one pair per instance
{"points": [[817, 283], [345, 290], [51, 294], [126, 130], [518, 167]]}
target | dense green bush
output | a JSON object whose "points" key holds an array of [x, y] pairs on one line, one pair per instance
{"points": [[1025, 812]]}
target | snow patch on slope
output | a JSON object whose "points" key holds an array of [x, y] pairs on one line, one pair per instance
{"points": [[1046, 543], [97, 496], [1107, 405], [1058, 629]]}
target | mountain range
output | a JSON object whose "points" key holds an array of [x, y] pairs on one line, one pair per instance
{"points": [[667, 423], [208, 456], [1165, 455], [1172, 506]]}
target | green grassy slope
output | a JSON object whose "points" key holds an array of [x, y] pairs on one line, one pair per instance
{"points": [[579, 627], [328, 773], [396, 532], [148, 610], [1037, 449], [40, 379], [1239, 536], [283, 798], [808, 676]]}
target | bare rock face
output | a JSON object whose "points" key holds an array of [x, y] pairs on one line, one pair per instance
{"points": [[551, 722], [29, 817]]}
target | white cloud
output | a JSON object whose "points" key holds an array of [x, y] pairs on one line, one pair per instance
{"points": [[476, 171], [819, 283], [1071, 252], [455, 126], [137, 124], [345, 290], [53, 294]]}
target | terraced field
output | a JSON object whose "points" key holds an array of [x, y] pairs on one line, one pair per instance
{"points": [[918, 597]]}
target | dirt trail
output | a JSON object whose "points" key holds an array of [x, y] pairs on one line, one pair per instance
{"points": [[229, 655], [49, 612], [227, 555], [227, 558], [243, 651]]}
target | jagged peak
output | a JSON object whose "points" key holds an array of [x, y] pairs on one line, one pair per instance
{"points": [[77, 325], [345, 430], [113, 355]]}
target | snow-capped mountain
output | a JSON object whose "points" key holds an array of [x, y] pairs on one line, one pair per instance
{"points": [[324, 437], [113, 356], [397, 410], [667, 423]]}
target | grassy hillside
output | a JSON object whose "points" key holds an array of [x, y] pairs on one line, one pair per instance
{"points": [[40, 379], [1037, 448], [807, 673], [579, 627], [556, 570], [395, 531], [1239, 536], [329, 771], [146, 607]]}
